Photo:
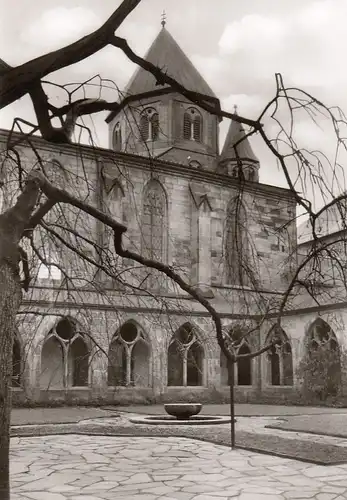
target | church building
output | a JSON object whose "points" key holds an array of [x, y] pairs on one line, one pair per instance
{"points": [[85, 337]]}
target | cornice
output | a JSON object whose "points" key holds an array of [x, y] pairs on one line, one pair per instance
{"points": [[129, 160]]}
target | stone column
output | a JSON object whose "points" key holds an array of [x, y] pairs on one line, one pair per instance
{"points": [[32, 373], [159, 363], [98, 380]]}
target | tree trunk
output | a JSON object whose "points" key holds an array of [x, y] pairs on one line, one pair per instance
{"points": [[10, 297]]}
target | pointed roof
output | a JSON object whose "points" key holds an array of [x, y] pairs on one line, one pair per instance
{"points": [[244, 149], [168, 56]]}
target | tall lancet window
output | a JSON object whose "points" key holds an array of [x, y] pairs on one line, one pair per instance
{"points": [[154, 229], [154, 221], [236, 245], [117, 137], [149, 125], [192, 125]]}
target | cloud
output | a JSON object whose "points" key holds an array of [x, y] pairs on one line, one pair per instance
{"points": [[59, 26], [308, 47], [246, 34], [247, 105]]}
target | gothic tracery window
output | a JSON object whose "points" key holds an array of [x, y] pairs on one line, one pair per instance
{"points": [[185, 358], [149, 125], [279, 359], [117, 137], [154, 221], [128, 361], [323, 356], [243, 368], [236, 245], [64, 357], [192, 125]]}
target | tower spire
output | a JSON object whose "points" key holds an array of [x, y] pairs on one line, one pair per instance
{"points": [[163, 19]]}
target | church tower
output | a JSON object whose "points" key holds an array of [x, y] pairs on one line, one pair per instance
{"points": [[237, 158], [157, 121]]}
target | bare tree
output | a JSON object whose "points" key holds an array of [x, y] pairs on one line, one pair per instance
{"points": [[35, 224]]}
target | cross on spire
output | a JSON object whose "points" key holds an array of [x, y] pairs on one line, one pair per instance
{"points": [[235, 109], [163, 19]]}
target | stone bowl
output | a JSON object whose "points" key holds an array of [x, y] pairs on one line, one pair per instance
{"points": [[182, 411]]}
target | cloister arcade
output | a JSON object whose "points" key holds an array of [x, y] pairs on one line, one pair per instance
{"points": [[67, 359]]}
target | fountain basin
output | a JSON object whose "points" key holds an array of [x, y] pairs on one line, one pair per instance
{"points": [[183, 411], [169, 420]]}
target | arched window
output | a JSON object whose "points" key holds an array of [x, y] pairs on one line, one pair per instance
{"points": [[323, 359], [128, 358], [114, 193], [117, 137], [243, 366], [154, 221], [16, 364], [192, 125], [185, 358], [149, 125], [279, 359], [236, 245], [64, 357]]}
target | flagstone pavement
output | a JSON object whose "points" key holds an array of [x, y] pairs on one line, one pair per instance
{"points": [[80, 467]]}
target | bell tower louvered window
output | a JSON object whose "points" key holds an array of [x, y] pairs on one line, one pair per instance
{"points": [[192, 125], [149, 125]]}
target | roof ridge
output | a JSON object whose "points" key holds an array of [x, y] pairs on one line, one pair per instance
{"points": [[166, 53]]}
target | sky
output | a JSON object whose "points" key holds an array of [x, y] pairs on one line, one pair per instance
{"points": [[237, 46]]}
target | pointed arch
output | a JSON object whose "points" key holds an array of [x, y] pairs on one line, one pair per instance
{"points": [[321, 365], [65, 356], [243, 368], [236, 244], [114, 192], [129, 357], [279, 359], [117, 137], [185, 358], [154, 127], [321, 334], [78, 361], [154, 223]]}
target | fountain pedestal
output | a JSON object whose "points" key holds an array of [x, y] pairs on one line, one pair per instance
{"points": [[183, 411]]}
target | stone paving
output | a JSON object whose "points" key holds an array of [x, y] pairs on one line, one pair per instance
{"points": [[81, 467], [77, 467]]}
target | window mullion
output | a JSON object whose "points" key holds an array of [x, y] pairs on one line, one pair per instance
{"points": [[185, 366]]}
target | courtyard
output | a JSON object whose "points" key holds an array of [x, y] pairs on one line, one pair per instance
{"points": [[98, 454]]}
